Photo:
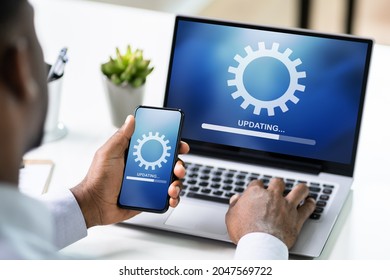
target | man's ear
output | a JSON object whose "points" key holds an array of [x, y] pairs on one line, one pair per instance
{"points": [[16, 71]]}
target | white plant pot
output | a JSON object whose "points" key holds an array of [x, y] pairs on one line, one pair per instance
{"points": [[123, 100]]}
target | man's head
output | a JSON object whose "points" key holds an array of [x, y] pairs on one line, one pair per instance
{"points": [[23, 86]]}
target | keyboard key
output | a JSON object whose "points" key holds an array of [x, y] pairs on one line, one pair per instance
{"points": [[205, 191], [252, 178], [204, 184], [240, 183], [227, 188], [314, 189], [324, 197], [328, 186], [315, 216], [229, 194], [228, 181], [321, 203], [218, 193], [327, 191], [209, 197], [194, 189], [265, 181], [239, 189]]}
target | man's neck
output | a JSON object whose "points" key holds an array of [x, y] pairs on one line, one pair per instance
{"points": [[10, 162]]}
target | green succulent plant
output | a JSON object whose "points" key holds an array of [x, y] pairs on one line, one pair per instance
{"points": [[129, 68]]}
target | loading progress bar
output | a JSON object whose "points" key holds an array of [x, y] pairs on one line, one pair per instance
{"points": [[259, 134]]}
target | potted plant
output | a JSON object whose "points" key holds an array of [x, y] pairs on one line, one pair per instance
{"points": [[124, 78]]}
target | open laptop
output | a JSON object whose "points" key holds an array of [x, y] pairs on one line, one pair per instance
{"points": [[261, 102]]}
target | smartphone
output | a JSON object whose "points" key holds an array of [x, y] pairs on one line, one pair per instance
{"points": [[150, 159]]}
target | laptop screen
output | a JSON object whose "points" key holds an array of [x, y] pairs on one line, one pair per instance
{"points": [[270, 92]]}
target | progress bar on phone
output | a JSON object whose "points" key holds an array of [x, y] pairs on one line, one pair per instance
{"points": [[146, 179], [259, 134]]}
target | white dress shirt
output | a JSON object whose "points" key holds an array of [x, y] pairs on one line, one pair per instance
{"points": [[26, 227], [260, 246], [34, 229]]}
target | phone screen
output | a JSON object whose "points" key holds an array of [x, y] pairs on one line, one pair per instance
{"points": [[151, 158]]}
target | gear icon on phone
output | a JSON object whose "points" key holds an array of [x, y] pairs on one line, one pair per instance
{"points": [[141, 142], [259, 104]]}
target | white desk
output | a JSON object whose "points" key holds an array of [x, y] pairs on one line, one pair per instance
{"points": [[91, 32]]}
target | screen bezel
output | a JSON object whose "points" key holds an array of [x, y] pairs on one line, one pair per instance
{"points": [[270, 158]]}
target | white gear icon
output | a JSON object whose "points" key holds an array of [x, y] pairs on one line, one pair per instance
{"points": [[270, 105], [161, 159]]}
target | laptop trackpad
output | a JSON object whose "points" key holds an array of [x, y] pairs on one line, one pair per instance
{"points": [[199, 218]]}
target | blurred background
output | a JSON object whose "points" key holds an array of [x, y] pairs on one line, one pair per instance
{"points": [[369, 18]]}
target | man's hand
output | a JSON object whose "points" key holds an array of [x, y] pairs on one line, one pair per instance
{"points": [[266, 210], [97, 194]]}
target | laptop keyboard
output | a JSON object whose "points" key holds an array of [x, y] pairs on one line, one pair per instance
{"points": [[219, 184]]}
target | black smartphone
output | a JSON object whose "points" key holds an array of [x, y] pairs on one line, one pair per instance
{"points": [[150, 159]]}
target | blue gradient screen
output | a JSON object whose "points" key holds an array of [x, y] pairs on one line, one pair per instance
{"points": [[151, 157], [287, 93]]}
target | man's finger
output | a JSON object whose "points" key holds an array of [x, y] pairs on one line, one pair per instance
{"points": [[297, 194], [128, 127], [174, 202], [305, 210], [179, 170], [184, 148], [174, 189], [233, 200], [277, 185]]}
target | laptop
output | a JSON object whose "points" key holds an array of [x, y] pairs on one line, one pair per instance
{"points": [[263, 102]]}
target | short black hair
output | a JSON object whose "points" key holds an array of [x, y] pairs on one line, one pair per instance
{"points": [[8, 9]]}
